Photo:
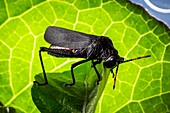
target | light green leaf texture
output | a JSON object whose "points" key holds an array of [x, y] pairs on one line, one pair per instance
{"points": [[142, 86]]}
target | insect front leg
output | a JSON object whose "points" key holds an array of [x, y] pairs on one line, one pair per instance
{"points": [[42, 49], [94, 66], [72, 73]]}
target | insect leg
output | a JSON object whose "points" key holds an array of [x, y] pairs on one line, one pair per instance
{"points": [[94, 66], [72, 73], [42, 49], [112, 72], [96, 62]]}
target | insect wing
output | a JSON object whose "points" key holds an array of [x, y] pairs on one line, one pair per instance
{"points": [[67, 38]]}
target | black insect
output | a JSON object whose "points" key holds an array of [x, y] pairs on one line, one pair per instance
{"points": [[68, 43]]}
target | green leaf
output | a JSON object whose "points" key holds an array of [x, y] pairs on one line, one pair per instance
{"points": [[7, 110], [82, 97], [4, 109], [142, 85]]}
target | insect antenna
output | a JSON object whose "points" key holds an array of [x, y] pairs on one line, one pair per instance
{"points": [[135, 58], [115, 74]]}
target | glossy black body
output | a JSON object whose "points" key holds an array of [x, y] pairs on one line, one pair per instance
{"points": [[69, 43], [90, 46]]}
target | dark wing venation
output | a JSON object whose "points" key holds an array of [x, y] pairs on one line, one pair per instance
{"points": [[67, 38]]}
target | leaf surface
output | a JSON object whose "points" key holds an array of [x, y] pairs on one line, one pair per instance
{"points": [[82, 97], [142, 85]]}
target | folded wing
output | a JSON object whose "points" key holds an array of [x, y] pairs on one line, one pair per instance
{"points": [[68, 38]]}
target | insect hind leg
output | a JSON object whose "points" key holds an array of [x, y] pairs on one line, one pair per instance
{"points": [[42, 49]]}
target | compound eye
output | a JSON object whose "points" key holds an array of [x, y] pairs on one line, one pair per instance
{"points": [[110, 63], [115, 52]]}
